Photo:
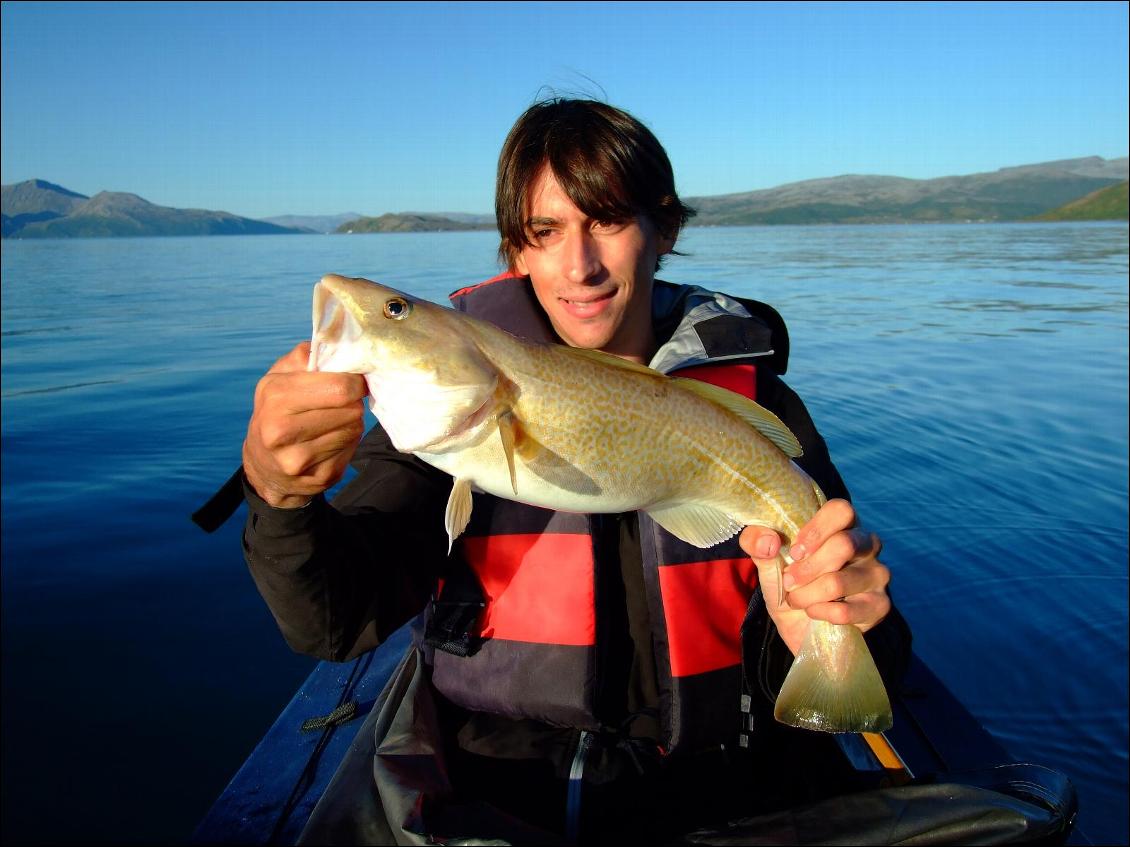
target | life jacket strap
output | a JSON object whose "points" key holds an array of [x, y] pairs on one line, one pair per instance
{"points": [[221, 505]]}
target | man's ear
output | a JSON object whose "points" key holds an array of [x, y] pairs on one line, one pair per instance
{"points": [[665, 242], [519, 263]]}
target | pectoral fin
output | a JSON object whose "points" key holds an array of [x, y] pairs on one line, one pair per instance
{"points": [[695, 523], [539, 460], [458, 511], [506, 431]]}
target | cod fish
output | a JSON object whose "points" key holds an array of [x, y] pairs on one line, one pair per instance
{"points": [[583, 431]]}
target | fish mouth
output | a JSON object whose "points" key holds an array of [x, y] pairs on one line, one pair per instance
{"points": [[335, 332]]}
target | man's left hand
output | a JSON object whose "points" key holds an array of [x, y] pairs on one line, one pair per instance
{"points": [[836, 575]]}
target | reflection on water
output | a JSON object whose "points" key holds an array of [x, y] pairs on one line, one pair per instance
{"points": [[916, 273], [54, 389], [971, 382]]}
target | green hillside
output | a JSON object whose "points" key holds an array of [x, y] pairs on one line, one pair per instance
{"points": [[1106, 204], [409, 222], [39, 209]]}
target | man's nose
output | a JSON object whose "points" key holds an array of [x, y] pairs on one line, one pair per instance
{"points": [[582, 257]]}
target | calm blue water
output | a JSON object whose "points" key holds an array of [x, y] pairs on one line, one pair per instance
{"points": [[970, 380]]}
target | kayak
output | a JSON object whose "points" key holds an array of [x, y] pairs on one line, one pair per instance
{"points": [[936, 777]]}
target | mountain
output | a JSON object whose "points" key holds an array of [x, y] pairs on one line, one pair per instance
{"points": [[1106, 204], [314, 223], [33, 201], [1095, 166], [487, 221], [1008, 194], [38, 209], [412, 222], [399, 222]]}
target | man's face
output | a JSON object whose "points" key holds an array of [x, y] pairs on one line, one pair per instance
{"points": [[592, 278]]}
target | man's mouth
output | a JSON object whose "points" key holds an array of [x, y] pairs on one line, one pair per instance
{"points": [[588, 306]]}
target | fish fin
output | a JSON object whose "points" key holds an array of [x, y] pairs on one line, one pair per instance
{"points": [[525, 445], [783, 560], [458, 511], [820, 497], [695, 523], [756, 416], [609, 359], [833, 685], [506, 431]]}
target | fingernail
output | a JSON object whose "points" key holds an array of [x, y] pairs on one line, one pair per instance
{"points": [[789, 582], [797, 552], [764, 547]]}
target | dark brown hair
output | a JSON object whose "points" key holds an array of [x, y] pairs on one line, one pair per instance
{"points": [[608, 163]]}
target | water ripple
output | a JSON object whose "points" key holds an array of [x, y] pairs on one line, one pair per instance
{"points": [[38, 330], [56, 389]]}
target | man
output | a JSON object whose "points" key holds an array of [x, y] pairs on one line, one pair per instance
{"points": [[586, 208]]}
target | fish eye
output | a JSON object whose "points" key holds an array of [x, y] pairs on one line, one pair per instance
{"points": [[397, 308]]}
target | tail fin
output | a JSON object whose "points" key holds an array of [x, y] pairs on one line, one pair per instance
{"points": [[833, 685]]}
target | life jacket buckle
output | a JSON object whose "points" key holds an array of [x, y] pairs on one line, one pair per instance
{"points": [[451, 626]]}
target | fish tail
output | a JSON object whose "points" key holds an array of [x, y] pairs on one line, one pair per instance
{"points": [[833, 685]]}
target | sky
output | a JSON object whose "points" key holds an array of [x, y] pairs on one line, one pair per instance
{"points": [[269, 108]]}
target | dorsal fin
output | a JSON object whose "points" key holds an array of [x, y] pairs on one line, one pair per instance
{"points": [[756, 416], [614, 361]]}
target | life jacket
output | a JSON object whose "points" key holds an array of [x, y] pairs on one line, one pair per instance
{"points": [[534, 650]]}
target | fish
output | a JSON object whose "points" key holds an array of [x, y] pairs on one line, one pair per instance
{"points": [[580, 430]]}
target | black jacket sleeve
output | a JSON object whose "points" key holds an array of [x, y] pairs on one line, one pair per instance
{"points": [[890, 640], [340, 577]]}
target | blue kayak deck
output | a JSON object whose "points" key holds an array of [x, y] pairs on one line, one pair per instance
{"points": [[271, 797]]}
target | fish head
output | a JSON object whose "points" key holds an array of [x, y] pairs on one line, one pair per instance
{"points": [[428, 380]]}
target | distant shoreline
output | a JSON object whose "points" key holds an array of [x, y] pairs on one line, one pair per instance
{"points": [[1090, 188], [823, 225]]}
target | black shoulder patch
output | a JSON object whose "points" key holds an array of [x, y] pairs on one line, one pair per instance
{"points": [[728, 335], [778, 332], [508, 303]]}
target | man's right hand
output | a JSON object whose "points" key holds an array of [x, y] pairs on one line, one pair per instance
{"points": [[303, 431]]}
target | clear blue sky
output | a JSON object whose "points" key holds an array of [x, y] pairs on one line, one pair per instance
{"points": [[272, 108]]}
